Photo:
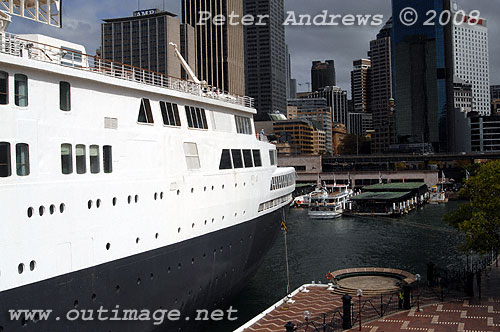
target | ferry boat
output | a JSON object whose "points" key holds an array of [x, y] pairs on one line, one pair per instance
{"points": [[123, 188], [328, 202]]}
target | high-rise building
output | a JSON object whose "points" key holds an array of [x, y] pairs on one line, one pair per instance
{"points": [[314, 109], [381, 93], [423, 69], [360, 85], [220, 49], [470, 45], [495, 99], [323, 74], [143, 41], [291, 84], [495, 92], [302, 136], [336, 98], [266, 57]]}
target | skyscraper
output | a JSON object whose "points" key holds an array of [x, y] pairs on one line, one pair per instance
{"points": [[381, 104], [266, 57], [470, 45], [219, 48], [143, 41], [423, 69], [323, 74], [336, 98], [360, 85]]}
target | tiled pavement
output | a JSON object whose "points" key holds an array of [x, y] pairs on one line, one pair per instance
{"points": [[459, 316]]}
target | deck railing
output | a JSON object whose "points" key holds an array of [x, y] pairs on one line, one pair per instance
{"points": [[16, 46]]}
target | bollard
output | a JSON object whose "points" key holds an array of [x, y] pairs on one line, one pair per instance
{"points": [[290, 327], [469, 284], [430, 274], [346, 318], [406, 297]]}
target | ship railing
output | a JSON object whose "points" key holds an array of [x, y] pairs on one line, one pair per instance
{"points": [[16, 46]]}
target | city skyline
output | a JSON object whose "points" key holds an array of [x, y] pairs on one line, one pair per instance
{"points": [[306, 43]]}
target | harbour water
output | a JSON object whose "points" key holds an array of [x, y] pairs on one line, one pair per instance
{"points": [[316, 247]]}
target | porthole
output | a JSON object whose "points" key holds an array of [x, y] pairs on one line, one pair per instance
{"points": [[115, 200], [213, 188], [178, 192], [136, 198], [75, 304], [94, 297], [156, 196], [20, 268], [244, 212], [41, 210], [137, 240], [32, 266], [244, 184], [192, 261], [222, 187], [192, 190], [151, 276], [157, 235], [117, 288], [52, 209], [30, 212], [236, 185], [235, 214], [161, 195], [139, 281], [178, 230], [168, 269], [204, 188], [179, 266], [89, 204], [108, 246], [129, 199], [205, 222], [213, 219], [192, 226], [98, 203], [62, 207], [223, 218], [24, 322]]}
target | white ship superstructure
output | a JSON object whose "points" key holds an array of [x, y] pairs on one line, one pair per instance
{"points": [[121, 186]]}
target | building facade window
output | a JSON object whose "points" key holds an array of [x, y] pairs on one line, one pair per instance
{"points": [[22, 159], [192, 157], [5, 168], [95, 163], [170, 114], [65, 96], [243, 125], [145, 114], [225, 160], [21, 90], [4, 88], [107, 157], [81, 159], [66, 159]]}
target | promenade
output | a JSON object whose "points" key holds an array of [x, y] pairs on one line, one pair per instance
{"points": [[467, 315]]}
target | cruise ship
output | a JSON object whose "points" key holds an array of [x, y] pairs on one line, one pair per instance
{"points": [[122, 188]]}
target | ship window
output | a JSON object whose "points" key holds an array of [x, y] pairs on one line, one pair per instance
{"points": [[66, 159], [243, 125], [95, 166], [5, 169], [272, 157], [225, 160], [170, 114], [192, 157], [237, 160], [107, 154], [4, 88], [256, 158], [65, 96], [145, 114], [196, 117], [21, 90], [22, 159], [247, 157], [81, 159]]}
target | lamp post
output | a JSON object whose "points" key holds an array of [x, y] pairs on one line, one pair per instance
{"points": [[307, 316], [360, 293], [418, 277]]}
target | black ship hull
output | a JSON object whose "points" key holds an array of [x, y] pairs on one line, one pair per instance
{"points": [[201, 273]]}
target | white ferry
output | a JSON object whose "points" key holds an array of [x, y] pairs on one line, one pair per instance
{"points": [[328, 202], [125, 188]]}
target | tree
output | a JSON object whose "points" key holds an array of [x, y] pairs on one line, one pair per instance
{"points": [[479, 219], [354, 144]]}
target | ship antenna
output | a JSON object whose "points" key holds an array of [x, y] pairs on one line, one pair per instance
{"points": [[185, 65]]}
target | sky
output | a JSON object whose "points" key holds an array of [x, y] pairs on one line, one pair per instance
{"points": [[344, 44]]}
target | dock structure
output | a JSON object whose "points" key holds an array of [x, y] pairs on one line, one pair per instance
{"points": [[391, 199]]}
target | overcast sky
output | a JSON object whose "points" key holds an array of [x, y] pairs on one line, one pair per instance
{"points": [[81, 24]]}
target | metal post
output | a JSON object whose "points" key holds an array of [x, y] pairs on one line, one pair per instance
{"points": [[418, 295], [360, 293]]}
